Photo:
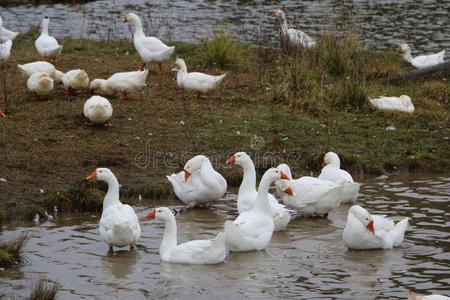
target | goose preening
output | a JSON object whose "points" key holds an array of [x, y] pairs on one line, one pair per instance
{"points": [[414, 296], [150, 49], [421, 61], [310, 196], [194, 252], [75, 80], [332, 172], [253, 229], [119, 225], [402, 103], [123, 83], [366, 231], [40, 84], [46, 45], [5, 50], [294, 36], [98, 110], [5, 34], [40, 66], [247, 193], [196, 81], [198, 184]]}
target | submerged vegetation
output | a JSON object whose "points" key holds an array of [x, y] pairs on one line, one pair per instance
{"points": [[10, 252], [297, 104]]}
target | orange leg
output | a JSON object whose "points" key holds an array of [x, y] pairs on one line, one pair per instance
{"points": [[143, 67], [124, 96], [161, 68]]}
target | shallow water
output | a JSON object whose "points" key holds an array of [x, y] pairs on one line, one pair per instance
{"points": [[382, 23], [308, 260]]}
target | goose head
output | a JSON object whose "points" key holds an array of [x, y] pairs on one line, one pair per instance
{"points": [[331, 158], [160, 213], [284, 187], [98, 84], [193, 166], [404, 48], [45, 22], [239, 158], [278, 13], [275, 174], [131, 18], [180, 63], [102, 174], [45, 80], [285, 168], [363, 216]]}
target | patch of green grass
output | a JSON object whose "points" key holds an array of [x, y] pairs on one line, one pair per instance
{"points": [[10, 252], [222, 52], [44, 290]]}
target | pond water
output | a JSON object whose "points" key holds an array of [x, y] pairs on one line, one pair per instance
{"points": [[308, 260], [382, 23]]}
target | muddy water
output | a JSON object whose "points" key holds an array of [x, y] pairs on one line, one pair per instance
{"points": [[308, 260], [382, 23]]}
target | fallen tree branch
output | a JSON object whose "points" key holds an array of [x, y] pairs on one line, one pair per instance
{"points": [[443, 67]]}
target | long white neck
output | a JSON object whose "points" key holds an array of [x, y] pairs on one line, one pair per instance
{"points": [[181, 74], [138, 30], [407, 55], [169, 240], [45, 27], [262, 199], [249, 179], [112, 196], [284, 26]]}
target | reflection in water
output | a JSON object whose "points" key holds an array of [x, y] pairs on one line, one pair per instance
{"points": [[382, 23], [308, 260]]}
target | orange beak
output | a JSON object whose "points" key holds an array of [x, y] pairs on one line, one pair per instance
{"points": [[2, 114], [284, 176], [186, 175], [274, 14], [370, 227], [150, 214], [93, 175], [231, 160], [289, 191], [125, 20]]}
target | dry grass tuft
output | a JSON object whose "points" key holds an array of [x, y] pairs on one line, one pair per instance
{"points": [[44, 290]]}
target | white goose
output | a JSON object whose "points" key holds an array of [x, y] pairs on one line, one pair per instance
{"points": [[402, 103], [194, 252], [332, 172], [247, 192], [46, 45], [5, 34], [40, 84], [40, 66], [421, 61], [414, 296], [75, 80], [124, 83], [366, 231], [98, 110], [119, 225], [253, 229], [198, 183], [295, 37], [5, 50], [309, 195], [150, 49], [196, 81]]}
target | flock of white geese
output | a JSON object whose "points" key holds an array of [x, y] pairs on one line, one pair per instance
{"points": [[199, 184]]}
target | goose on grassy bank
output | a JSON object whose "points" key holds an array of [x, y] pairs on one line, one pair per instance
{"points": [[294, 36], [421, 61], [5, 34], [46, 45], [402, 103]]}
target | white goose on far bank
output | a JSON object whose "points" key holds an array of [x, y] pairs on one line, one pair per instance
{"points": [[119, 225], [194, 252], [252, 230], [247, 192], [332, 171], [150, 49], [196, 81], [198, 183], [365, 231], [294, 36], [421, 61], [5, 34], [46, 45]]}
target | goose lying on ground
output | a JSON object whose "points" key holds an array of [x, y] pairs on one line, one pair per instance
{"points": [[193, 252], [294, 36], [421, 61], [119, 225], [98, 110], [253, 229], [150, 49], [198, 183], [123, 83], [366, 231], [46, 45], [196, 81], [332, 172], [75, 80], [402, 103], [310, 196], [40, 84], [247, 192], [5, 34]]}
